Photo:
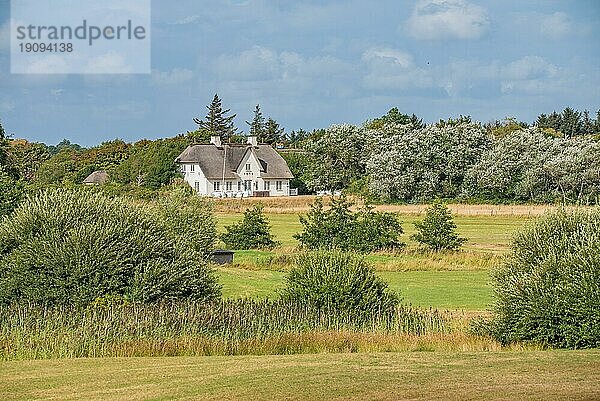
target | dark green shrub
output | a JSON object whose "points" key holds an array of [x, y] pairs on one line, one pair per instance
{"points": [[338, 281], [253, 232], [64, 246], [548, 291], [339, 228], [437, 230], [11, 192]]}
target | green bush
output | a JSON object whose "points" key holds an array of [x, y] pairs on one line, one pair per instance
{"points": [[253, 232], [62, 247], [548, 291], [338, 281], [437, 230], [11, 192], [339, 228]]}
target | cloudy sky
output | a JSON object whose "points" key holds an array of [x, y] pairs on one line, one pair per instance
{"points": [[314, 63]]}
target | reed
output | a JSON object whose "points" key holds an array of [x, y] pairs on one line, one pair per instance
{"points": [[189, 328]]}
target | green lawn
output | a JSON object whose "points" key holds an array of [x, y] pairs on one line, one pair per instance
{"points": [[467, 290], [444, 281], [485, 233], [505, 375]]}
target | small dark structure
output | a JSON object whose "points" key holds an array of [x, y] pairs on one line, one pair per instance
{"points": [[96, 178], [222, 257]]}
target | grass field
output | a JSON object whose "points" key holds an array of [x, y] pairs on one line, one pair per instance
{"points": [[504, 375], [467, 290], [445, 281]]}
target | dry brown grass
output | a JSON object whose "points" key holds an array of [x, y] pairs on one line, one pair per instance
{"points": [[301, 204], [492, 375]]}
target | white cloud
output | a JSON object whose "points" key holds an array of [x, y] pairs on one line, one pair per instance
{"points": [[108, 63], [393, 69], [555, 25], [532, 75], [447, 19], [174, 77]]}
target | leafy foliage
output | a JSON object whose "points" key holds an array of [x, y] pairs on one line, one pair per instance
{"points": [[548, 291], [438, 230], [417, 165], [62, 247], [337, 157], [528, 165], [253, 232], [339, 228], [338, 281], [11, 193]]}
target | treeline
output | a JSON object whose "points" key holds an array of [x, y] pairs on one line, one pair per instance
{"points": [[393, 158], [398, 158]]}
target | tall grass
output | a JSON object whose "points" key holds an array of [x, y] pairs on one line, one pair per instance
{"points": [[190, 328]]}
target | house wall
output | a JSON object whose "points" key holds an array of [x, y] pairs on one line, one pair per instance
{"points": [[207, 186]]}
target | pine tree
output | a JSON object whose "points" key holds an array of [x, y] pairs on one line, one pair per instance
{"points": [[216, 121], [571, 123], [597, 123], [257, 126], [587, 124], [273, 132]]}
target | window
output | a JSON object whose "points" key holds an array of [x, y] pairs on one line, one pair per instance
{"points": [[217, 186], [247, 185], [192, 168], [197, 186], [248, 167], [183, 168], [278, 185], [228, 185], [267, 185], [239, 185]]}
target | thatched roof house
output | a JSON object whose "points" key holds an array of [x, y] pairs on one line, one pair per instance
{"points": [[97, 177]]}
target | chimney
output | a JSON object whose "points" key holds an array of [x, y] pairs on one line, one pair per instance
{"points": [[253, 140], [216, 140]]}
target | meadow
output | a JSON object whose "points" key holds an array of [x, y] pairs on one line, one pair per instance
{"points": [[452, 281]]}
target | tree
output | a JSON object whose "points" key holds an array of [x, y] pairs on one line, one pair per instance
{"points": [[422, 164], [437, 230], [64, 144], [273, 133], [392, 117], [11, 193], [337, 155], [253, 232], [339, 228], [217, 122], [257, 126], [571, 125]]}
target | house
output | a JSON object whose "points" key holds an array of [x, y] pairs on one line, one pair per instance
{"points": [[235, 170], [96, 178]]}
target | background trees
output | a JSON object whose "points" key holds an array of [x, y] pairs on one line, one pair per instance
{"points": [[217, 122]]}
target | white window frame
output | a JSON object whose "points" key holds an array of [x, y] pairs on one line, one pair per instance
{"points": [[279, 185], [197, 186], [267, 185], [191, 168], [228, 185], [248, 167], [217, 186]]}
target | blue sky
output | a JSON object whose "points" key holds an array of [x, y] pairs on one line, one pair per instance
{"points": [[314, 63]]}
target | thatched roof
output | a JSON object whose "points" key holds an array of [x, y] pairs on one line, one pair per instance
{"points": [[97, 177], [210, 159]]}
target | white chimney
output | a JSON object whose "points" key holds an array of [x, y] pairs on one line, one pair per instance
{"points": [[252, 140], [216, 140]]}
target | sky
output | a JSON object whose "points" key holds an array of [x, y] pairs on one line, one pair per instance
{"points": [[310, 64]]}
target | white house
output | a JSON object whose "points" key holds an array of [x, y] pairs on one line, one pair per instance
{"points": [[235, 170]]}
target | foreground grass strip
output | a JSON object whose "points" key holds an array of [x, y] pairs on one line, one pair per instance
{"points": [[507, 375]]}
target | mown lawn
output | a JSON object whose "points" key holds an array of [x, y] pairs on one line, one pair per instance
{"points": [[468, 290], [444, 281], [504, 375]]}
